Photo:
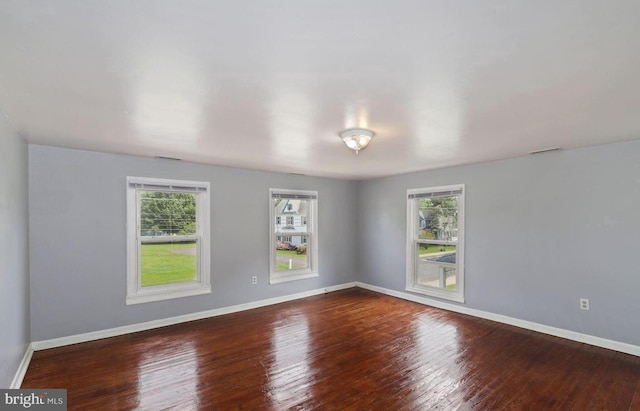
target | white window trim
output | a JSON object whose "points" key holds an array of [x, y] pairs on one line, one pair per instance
{"points": [[277, 277], [412, 234], [136, 294]]}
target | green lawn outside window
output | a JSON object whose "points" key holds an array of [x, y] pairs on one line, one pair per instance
{"points": [[171, 263]]}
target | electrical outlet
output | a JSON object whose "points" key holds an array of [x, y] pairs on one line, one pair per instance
{"points": [[584, 304], [254, 280]]}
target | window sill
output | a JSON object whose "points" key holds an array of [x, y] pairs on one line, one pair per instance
{"points": [[438, 293], [150, 296], [277, 279]]}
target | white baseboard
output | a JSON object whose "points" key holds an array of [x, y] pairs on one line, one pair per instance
{"points": [[22, 368], [545, 329], [113, 332], [127, 329]]}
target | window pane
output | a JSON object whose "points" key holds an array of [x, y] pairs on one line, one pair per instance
{"points": [[436, 266], [438, 218], [291, 215], [168, 263], [167, 213], [292, 254]]}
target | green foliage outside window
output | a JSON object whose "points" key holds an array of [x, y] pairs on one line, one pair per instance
{"points": [[440, 214], [167, 213]]}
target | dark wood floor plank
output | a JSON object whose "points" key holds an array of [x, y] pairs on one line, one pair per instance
{"points": [[347, 350], [635, 401]]}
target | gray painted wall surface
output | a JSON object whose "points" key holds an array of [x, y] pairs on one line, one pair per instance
{"points": [[14, 257], [78, 240], [541, 232]]}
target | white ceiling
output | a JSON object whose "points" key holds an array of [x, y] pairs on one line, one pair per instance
{"points": [[268, 84]]}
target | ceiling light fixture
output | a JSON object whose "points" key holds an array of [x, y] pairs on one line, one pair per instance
{"points": [[356, 138]]}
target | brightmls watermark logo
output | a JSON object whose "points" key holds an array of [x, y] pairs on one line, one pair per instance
{"points": [[40, 400]]}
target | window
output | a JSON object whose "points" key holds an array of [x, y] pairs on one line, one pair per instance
{"points": [[293, 247], [167, 239], [435, 242], [278, 220]]}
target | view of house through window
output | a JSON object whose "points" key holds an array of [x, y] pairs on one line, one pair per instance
{"points": [[291, 253], [294, 244], [434, 232]]}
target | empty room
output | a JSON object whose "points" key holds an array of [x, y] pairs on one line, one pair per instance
{"points": [[319, 205]]}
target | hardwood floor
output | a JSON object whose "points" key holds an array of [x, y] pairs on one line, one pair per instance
{"points": [[347, 350]]}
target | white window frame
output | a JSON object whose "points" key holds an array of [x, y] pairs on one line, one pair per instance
{"points": [[277, 277], [136, 294], [413, 241]]}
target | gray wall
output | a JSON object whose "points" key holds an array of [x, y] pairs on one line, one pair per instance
{"points": [[541, 232], [78, 240], [14, 257]]}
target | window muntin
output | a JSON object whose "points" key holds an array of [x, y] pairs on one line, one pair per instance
{"points": [[294, 245], [168, 239], [435, 244]]}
